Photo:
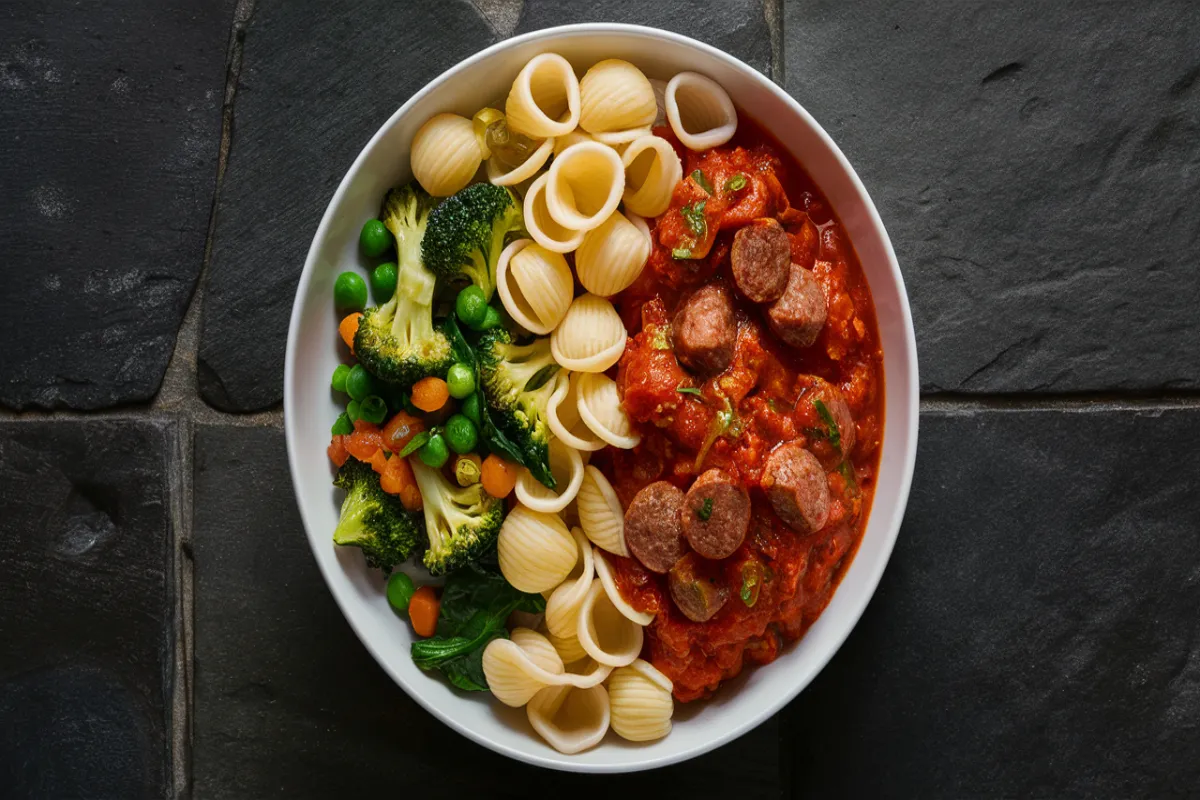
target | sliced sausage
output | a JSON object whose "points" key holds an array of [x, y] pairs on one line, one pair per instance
{"points": [[716, 514], [704, 330], [798, 316], [697, 591], [834, 402], [795, 483], [653, 528], [761, 259]]}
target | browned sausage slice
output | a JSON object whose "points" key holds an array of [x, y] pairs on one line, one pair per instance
{"points": [[697, 592], [653, 529], [761, 259], [796, 485], [716, 514], [704, 330], [797, 316]]}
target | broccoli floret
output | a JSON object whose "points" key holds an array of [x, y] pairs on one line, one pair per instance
{"points": [[462, 523], [517, 381], [467, 232], [397, 341], [374, 521]]}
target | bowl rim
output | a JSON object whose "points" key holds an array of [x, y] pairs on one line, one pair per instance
{"points": [[756, 716]]}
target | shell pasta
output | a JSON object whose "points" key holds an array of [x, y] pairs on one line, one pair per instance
{"points": [[640, 702], [543, 227], [600, 514], [570, 719], [567, 467], [606, 634], [562, 414], [544, 99], [652, 170], [700, 112], [600, 408], [536, 550], [445, 154], [591, 337], [612, 256], [586, 183], [535, 285], [615, 96]]}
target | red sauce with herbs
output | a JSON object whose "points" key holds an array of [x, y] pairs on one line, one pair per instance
{"points": [[779, 581]]}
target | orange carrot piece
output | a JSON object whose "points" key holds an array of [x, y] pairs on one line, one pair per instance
{"points": [[423, 611], [400, 429], [430, 394], [498, 476], [348, 327]]}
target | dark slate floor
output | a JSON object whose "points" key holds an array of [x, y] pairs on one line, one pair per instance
{"points": [[163, 629]]}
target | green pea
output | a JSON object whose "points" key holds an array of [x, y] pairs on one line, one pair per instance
{"points": [[461, 434], [470, 409], [338, 381], [434, 453], [373, 409], [353, 411], [359, 383], [400, 590], [383, 282], [491, 318], [461, 381], [342, 425], [350, 292], [375, 239], [471, 306]]}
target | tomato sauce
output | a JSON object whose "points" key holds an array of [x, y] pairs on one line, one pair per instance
{"points": [[779, 581]]}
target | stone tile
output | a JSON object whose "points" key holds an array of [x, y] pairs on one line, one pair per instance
{"points": [[1031, 167], [288, 702], [739, 27], [86, 609], [109, 130], [318, 79], [1035, 634]]}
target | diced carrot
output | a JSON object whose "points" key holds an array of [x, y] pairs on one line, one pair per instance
{"points": [[337, 451], [400, 429], [398, 479], [410, 498], [423, 611], [379, 461], [365, 441], [430, 394], [364, 426], [498, 477], [348, 327]]}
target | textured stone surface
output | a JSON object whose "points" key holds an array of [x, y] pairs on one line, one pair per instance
{"points": [[109, 125], [85, 609], [1035, 634], [1034, 169], [738, 27], [318, 79], [290, 704]]}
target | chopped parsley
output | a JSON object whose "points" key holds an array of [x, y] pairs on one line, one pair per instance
{"points": [[692, 390], [693, 215], [704, 511], [832, 433], [415, 443], [701, 181], [681, 252], [735, 183]]}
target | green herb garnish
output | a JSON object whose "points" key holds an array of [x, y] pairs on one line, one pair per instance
{"points": [[415, 443], [704, 511], [689, 390], [752, 580], [735, 183], [693, 215], [701, 181], [342, 425], [541, 377], [662, 338], [832, 432], [681, 252]]}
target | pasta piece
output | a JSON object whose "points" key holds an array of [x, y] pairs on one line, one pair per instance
{"points": [[562, 414], [541, 226], [612, 255], [562, 607], [600, 514], [503, 174], [569, 649], [615, 96], [574, 137], [652, 171], [544, 99], [591, 337], [600, 409], [570, 720], [514, 673], [606, 634], [608, 581], [536, 550], [567, 468], [699, 111], [538, 648], [618, 138], [660, 100], [585, 185], [640, 702], [445, 154], [535, 285]]}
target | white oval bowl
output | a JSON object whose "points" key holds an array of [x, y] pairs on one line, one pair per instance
{"points": [[313, 352]]}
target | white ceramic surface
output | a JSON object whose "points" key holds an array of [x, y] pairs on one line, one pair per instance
{"points": [[312, 353]]}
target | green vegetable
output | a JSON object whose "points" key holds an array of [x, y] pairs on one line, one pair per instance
{"points": [[397, 340], [372, 408], [359, 383], [400, 590], [689, 390], [693, 215], [338, 381], [705, 510], [491, 319], [735, 183], [516, 385], [701, 181], [461, 434], [476, 602], [435, 452], [681, 252], [495, 439], [470, 408], [342, 425], [467, 471], [383, 282], [467, 232], [415, 443], [752, 580], [471, 306], [460, 380], [374, 521], [831, 428], [353, 411], [350, 292], [374, 239], [461, 522]]}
